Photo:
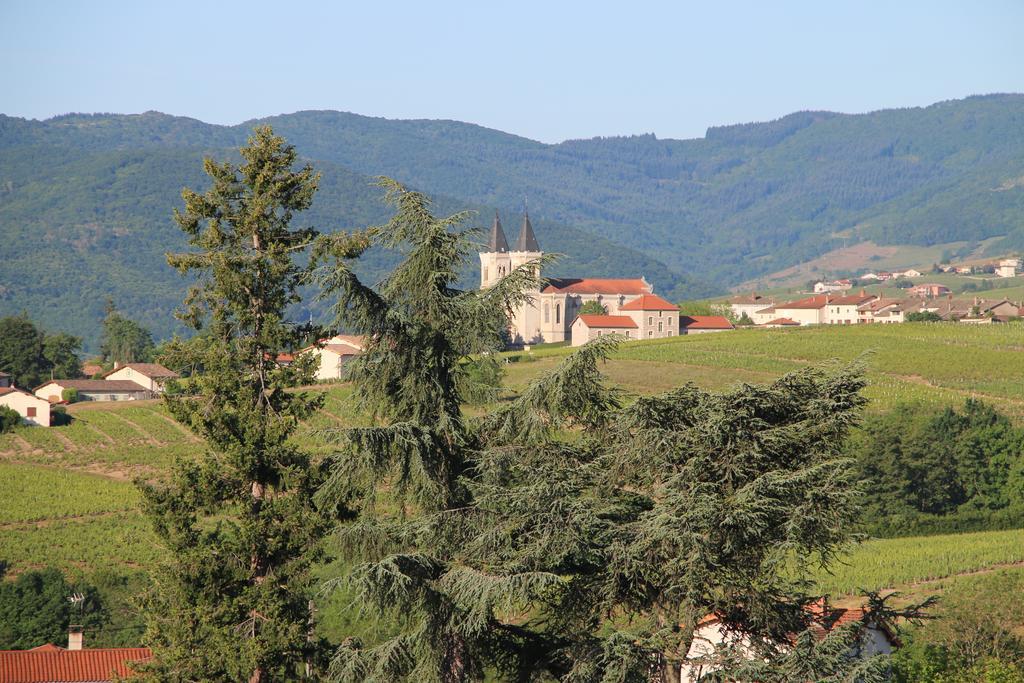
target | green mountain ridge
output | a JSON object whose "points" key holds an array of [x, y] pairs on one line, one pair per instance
{"points": [[85, 199]]}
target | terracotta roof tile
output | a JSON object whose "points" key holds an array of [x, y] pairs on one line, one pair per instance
{"points": [[51, 664], [810, 302], [151, 370], [95, 384], [649, 302], [597, 286], [704, 322], [782, 321], [616, 321]]}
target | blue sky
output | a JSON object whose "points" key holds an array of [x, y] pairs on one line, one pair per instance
{"points": [[546, 70]]}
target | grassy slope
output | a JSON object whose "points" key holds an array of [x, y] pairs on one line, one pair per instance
{"points": [[65, 496]]}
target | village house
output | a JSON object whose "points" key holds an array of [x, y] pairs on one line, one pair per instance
{"points": [[591, 326], [551, 310], [32, 409], [150, 376], [808, 311], [749, 304], [843, 310], [875, 638], [1008, 267], [929, 291], [94, 390], [333, 354], [52, 664], [782, 322], [648, 316], [702, 324], [833, 286], [881, 310]]}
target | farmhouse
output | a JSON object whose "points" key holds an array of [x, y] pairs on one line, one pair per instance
{"points": [[809, 311], [843, 310], [749, 304], [33, 410], [587, 327], [929, 291], [875, 638], [333, 354], [93, 390], [646, 317], [52, 664], [151, 376], [701, 324], [552, 308]]}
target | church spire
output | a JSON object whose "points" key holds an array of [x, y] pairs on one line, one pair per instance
{"points": [[527, 240], [498, 242]]}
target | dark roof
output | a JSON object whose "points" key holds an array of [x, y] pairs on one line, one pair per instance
{"points": [[151, 370], [50, 663], [96, 384], [497, 241], [527, 240]]}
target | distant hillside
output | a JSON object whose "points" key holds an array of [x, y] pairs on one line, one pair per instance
{"points": [[85, 199]]}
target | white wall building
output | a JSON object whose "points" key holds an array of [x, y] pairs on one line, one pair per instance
{"points": [[151, 376], [33, 410]]}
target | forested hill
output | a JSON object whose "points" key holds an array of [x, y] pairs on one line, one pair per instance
{"points": [[85, 200]]}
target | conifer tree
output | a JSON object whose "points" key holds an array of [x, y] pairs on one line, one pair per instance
{"points": [[569, 535], [233, 602]]}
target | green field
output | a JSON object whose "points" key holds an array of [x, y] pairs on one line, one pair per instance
{"points": [[67, 499]]}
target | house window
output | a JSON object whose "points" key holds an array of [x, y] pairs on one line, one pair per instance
{"points": [[558, 313], [670, 321], [547, 313], [30, 412], [650, 320], [661, 326], [650, 333]]}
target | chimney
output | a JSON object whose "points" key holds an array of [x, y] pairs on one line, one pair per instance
{"points": [[74, 637]]}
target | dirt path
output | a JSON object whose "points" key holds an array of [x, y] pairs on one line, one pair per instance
{"points": [[65, 441], [97, 431]]}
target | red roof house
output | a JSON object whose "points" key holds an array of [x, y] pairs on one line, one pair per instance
{"points": [[52, 664], [696, 324]]}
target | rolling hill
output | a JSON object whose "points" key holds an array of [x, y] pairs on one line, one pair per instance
{"points": [[85, 200]]}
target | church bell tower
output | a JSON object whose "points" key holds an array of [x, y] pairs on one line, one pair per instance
{"points": [[496, 262]]}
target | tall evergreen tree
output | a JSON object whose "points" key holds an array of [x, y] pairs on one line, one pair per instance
{"points": [[123, 340], [233, 602], [564, 535]]}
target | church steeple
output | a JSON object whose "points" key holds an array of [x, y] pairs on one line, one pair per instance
{"points": [[527, 240], [498, 242]]}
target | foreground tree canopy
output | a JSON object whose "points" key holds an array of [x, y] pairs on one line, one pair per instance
{"points": [[568, 534]]}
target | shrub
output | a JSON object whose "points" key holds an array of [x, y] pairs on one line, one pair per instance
{"points": [[9, 419], [70, 395], [59, 416]]}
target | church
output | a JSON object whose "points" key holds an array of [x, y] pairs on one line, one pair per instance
{"points": [[551, 313]]}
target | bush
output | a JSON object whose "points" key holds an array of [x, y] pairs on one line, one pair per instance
{"points": [[70, 395], [9, 419], [923, 317], [59, 416]]}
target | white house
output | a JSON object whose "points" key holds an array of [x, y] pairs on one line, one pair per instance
{"points": [[93, 390], [1008, 267], [334, 353], [151, 376], [749, 304], [33, 410], [843, 310], [875, 639], [834, 286], [809, 311]]}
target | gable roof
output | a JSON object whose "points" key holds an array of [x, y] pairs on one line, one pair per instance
{"points": [[95, 384], [12, 390], [50, 664], [851, 300], [150, 370], [810, 302], [704, 322], [782, 321], [595, 285], [617, 321], [649, 302]]}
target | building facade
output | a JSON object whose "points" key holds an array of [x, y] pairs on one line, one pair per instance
{"points": [[549, 313]]}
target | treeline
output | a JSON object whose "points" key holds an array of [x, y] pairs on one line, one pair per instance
{"points": [[935, 472]]}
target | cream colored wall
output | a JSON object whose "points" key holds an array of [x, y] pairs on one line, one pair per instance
{"points": [[50, 391], [581, 334], [835, 315], [804, 316], [20, 402], [491, 265], [135, 376]]}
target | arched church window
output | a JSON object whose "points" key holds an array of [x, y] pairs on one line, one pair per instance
{"points": [[558, 313]]}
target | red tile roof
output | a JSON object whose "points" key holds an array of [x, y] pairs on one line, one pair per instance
{"points": [[649, 302], [52, 664], [617, 321], [704, 322], [151, 370], [592, 285], [809, 302], [851, 300], [782, 321]]}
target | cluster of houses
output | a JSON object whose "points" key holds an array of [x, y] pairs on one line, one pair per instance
{"points": [[137, 381], [854, 309], [1007, 267]]}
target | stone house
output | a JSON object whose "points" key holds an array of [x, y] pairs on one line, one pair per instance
{"points": [[33, 410]]}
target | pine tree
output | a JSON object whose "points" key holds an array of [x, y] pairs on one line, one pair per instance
{"points": [[233, 604], [568, 535]]}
